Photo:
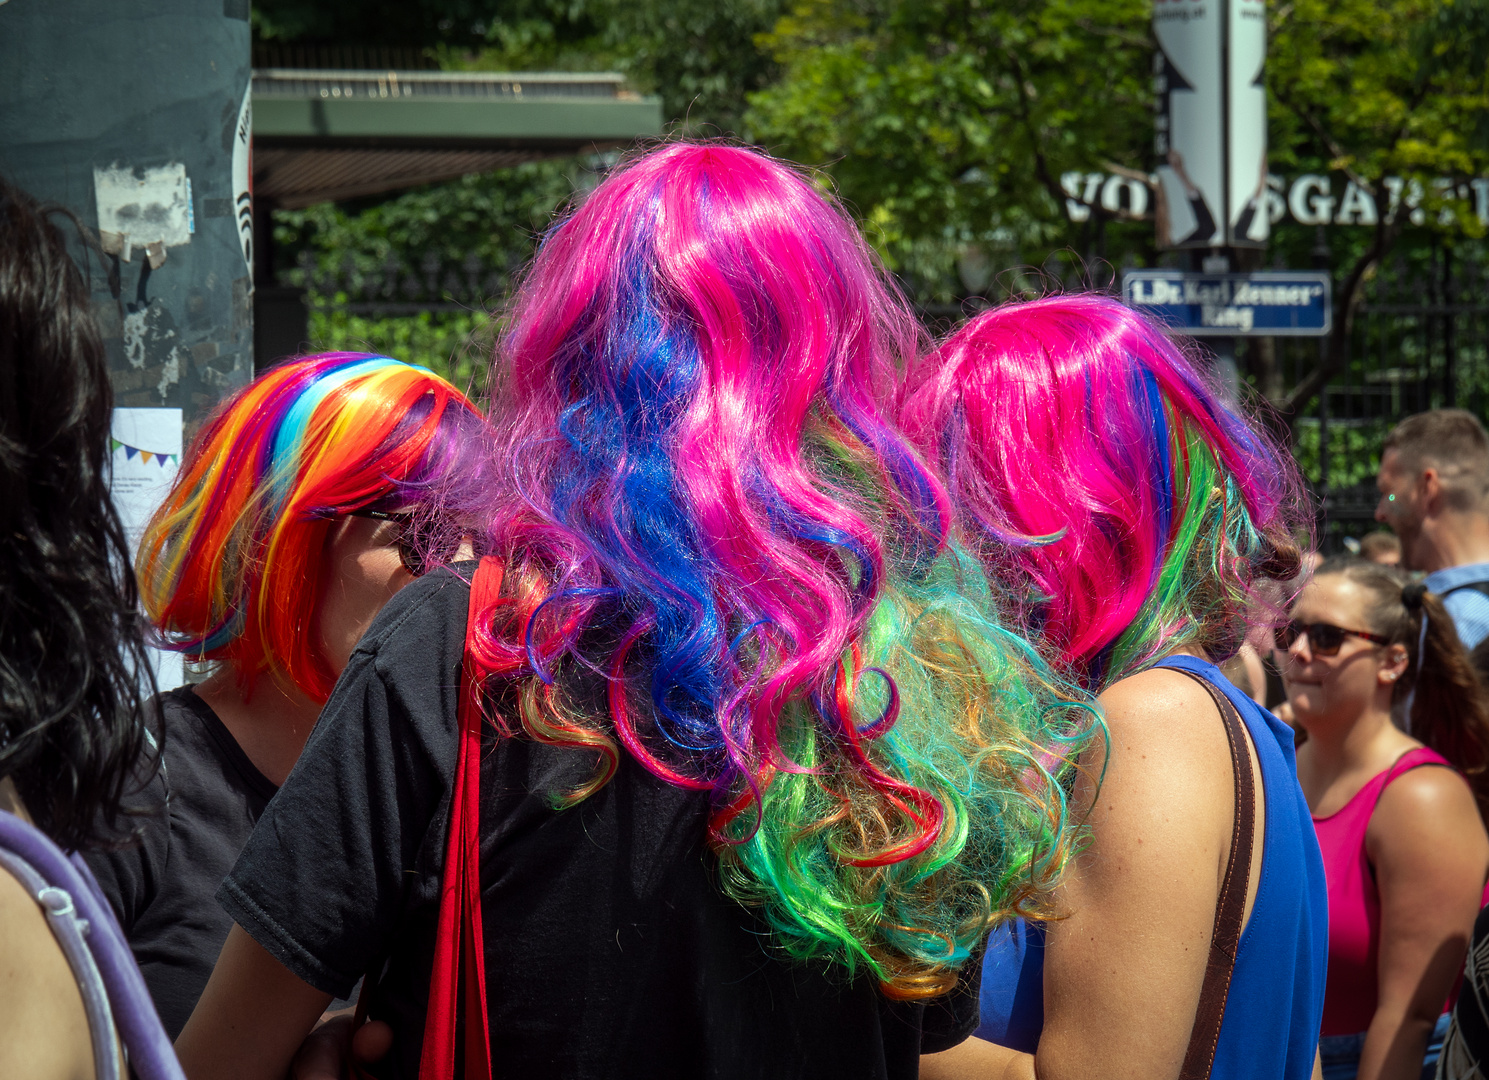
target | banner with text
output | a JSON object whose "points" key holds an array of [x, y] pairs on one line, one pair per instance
{"points": [[1310, 199]]}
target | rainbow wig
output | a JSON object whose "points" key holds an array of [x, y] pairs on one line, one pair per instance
{"points": [[707, 505], [1121, 508], [229, 566]]}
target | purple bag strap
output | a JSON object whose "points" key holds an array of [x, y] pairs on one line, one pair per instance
{"points": [[150, 1054]]}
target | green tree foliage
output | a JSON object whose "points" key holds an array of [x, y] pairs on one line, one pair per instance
{"points": [[527, 30], [1381, 87], [699, 56], [495, 218], [946, 124], [1377, 89]]}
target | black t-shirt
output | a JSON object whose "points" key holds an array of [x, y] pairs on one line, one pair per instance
{"points": [[610, 951], [201, 806]]}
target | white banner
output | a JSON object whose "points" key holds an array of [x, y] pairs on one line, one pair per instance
{"points": [[146, 456], [1246, 154], [1310, 199], [1190, 125], [243, 176]]}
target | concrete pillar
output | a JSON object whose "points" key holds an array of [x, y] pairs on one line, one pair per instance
{"points": [[135, 117]]}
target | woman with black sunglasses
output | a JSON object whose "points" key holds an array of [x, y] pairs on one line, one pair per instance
{"points": [[1404, 846], [304, 504]]}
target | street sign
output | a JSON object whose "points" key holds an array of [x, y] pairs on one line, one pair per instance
{"points": [[1210, 131], [1266, 304]]}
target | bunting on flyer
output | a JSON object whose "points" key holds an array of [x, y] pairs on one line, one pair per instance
{"points": [[146, 456]]}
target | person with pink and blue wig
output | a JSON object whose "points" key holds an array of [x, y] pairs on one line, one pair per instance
{"points": [[758, 771], [1137, 523]]}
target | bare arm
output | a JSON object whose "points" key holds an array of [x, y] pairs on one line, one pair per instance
{"points": [[43, 1028], [977, 1059], [1430, 854], [1122, 973], [252, 1017]]}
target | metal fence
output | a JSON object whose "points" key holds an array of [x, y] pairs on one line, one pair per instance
{"points": [[397, 287], [1420, 341]]}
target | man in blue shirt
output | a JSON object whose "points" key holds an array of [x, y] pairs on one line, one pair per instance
{"points": [[1434, 494]]}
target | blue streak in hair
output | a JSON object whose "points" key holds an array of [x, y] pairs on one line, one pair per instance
{"points": [[879, 727], [1160, 477], [533, 660], [290, 434], [739, 637], [230, 628], [633, 377]]}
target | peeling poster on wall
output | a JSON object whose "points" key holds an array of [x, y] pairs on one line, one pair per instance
{"points": [[149, 210]]}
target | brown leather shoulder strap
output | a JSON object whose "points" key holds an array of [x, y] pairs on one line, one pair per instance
{"points": [[1230, 909]]}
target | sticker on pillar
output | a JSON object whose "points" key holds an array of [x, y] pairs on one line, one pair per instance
{"points": [[243, 177], [148, 210]]}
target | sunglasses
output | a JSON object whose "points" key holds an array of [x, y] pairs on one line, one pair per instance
{"points": [[408, 554], [1324, 639]]}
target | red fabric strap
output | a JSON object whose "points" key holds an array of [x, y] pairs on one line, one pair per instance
{"points": [[459, 949]]}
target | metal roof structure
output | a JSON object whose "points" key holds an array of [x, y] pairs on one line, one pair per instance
{"points": [[322, 135]]}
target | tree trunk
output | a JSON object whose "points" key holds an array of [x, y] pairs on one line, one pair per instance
{"points": [[1346, 301], [1261, 361]]}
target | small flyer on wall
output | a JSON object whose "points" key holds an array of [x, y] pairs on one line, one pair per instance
{"points": [[146, 455]]}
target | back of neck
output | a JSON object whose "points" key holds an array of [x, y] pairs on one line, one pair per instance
{"points": [[270, 721]]}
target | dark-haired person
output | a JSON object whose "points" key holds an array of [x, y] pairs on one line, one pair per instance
{"points": [[1404, 846], [71, 661], [1434, 494]]}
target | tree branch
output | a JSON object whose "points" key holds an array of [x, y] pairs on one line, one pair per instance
{"points": [[1331, 144], [1386, 234], [1135, 40], [1041, 166]]}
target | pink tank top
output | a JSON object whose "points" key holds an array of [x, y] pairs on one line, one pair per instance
{"points": [[1354, 901]]}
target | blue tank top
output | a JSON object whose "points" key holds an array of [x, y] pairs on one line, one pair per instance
{"points": [[1276, 999]]}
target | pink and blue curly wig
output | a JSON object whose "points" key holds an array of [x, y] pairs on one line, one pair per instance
{"points": [[708, 503], [1121, 508]]}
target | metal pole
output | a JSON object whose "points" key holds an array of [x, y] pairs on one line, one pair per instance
{"points": [[1322, 258]]}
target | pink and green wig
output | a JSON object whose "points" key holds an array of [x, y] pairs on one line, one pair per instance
{"points": [[703, 499], [1120, 506], [230, 565]]}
